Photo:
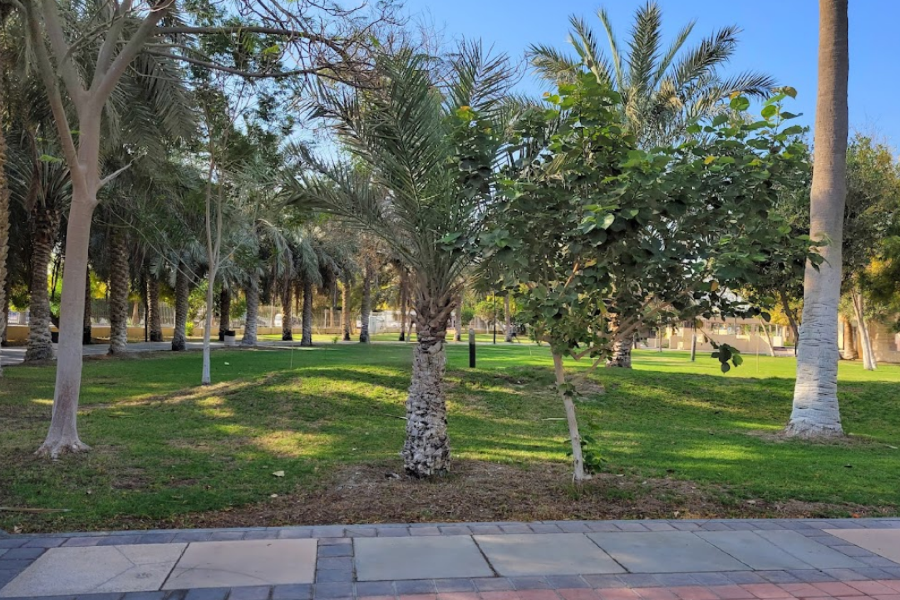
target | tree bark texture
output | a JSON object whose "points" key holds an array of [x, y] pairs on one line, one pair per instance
{"points": [[118, 292], [287, 312], [252, 294], [816, 412], [182, 292], [87, 337], [621, 354], [306, 337], [404, 302], [366, 309], [578, 474], [153, 316], [44, 223], [427, 449], [345, 308], [848, 352], [508, 337], [868, 353], [4, 222], [224, 312]]}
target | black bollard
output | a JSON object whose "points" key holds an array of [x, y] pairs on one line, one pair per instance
{"points": [[471, 348]]}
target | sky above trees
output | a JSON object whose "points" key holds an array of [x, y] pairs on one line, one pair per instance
{"points": [[779, 37]]}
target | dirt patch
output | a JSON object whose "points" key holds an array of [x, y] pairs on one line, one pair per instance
{"points": [[482, 491], [778, 437]]}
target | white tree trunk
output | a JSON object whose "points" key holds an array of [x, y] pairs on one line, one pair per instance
{"points": [[765, 329], [118, 293], [252, 294], [578, 474], [816, 412], [427, 448], [868, 353], [206, 377], [63, 433]]}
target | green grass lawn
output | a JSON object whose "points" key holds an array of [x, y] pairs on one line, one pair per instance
{"points": [[165, 448]]}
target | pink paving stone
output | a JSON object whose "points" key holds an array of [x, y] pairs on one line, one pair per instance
{"points": [[537, 595], [418, 597], [458, 596], [375, 598], [891, 583], [733, 592], [887, 597], [505, 595], [836, 588], [801, 590], [694, 592], [655, 594], [578, 594], [821, 598], [617, 594], [766, 590], [871, 588]]}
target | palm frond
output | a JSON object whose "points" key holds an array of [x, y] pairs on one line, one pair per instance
{"points": [[615, 55], [551, 64], [582, 39], [646, 34]]}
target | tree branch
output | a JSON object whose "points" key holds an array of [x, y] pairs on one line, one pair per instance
{"points": [[60, 47]]}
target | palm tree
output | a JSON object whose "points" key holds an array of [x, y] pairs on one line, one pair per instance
{"points": [[663, 90], [425, 143], [816, 412]]}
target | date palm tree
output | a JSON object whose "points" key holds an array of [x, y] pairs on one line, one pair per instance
{"points": [[816, 412], [663, 89], [424, 143]]}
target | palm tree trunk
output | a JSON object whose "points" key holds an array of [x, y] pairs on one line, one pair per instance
{"points": [[86, 333], [306, 337], [43, 233], [153, 315], [118, 293], [287, 312], [816, 412], [848, 352], [345, 308], [621, 350], [182, 292], [427, 449], [366, 309], [252, 293], [404, 300], [578, 474], [457, 334], [224, 312], [4, 223], [508, 337], [866, 341]]}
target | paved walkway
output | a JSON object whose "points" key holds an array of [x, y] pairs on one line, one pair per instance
{"points": [[562, 560]]}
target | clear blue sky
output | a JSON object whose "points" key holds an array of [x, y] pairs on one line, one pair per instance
{"points": [[779, 37]]}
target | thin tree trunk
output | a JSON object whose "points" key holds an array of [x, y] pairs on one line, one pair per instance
{"points": [[118, 293], [404, 301], [868, 352], [306, 337], [366, 309], [287, 312], [508, 337], [206, 372], [816, 412], [224, 312], [153, 315], [345, 308], [792, 319], [86, 333], [43, 233], [4, 223], [252, 294], [62, 435], [427, 449], [765, 329], [848, 351], [182, 292], [571, 419], [694, 341]]}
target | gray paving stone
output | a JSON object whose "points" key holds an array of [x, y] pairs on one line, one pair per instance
{"points": [[109, 596], [432, 557], [753, 550], [375, 588], [545, 554], [686, 526], [515, 528], [873, 572], [711, 578], [454, 530], [715, 526], [144, 596], [392, 532], [261, 535], [665, 552], [603, 581], [544, 528], [566, 582], [207, 594], [14, 565], [631, 526], [81, 542], [492, 584], [415, 586], [454, 585], [530, 583], [741, 526], [334, 575], [423, 531], [809, 551], [337, 550], [22, 553], [811, 575], [244, 563], [295, 533], [361, 532], [44, 542], [328, 531], [340, 541], [658, 526], [638, 580], [147, 538], [676, 579], [744, 577], [845, 574], [334, 562], [776, 576], [132, 568], [254, 592], [118, 540], [567, 527], [854, 551], [483, 529]]}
